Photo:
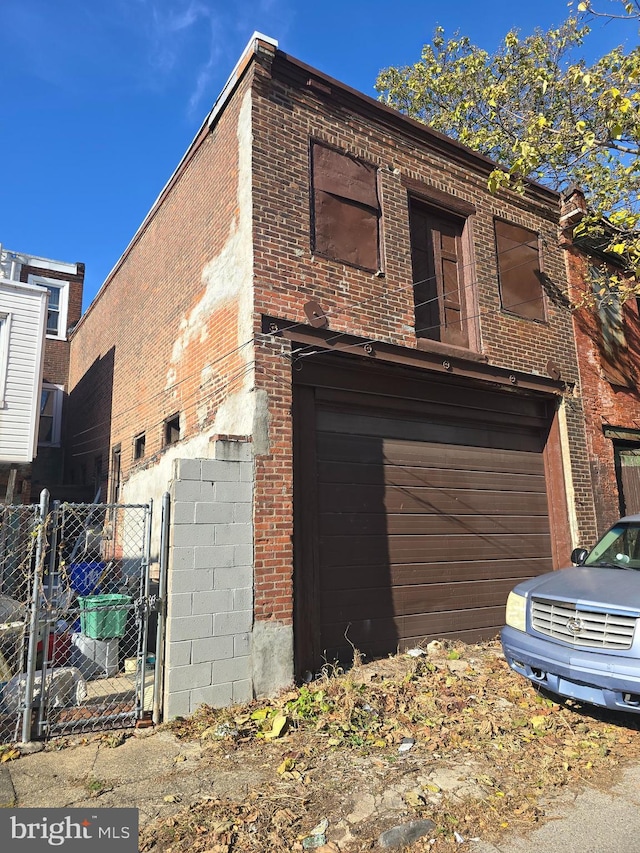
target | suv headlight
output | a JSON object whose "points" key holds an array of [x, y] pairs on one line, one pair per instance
{"points": [[516, 613]]}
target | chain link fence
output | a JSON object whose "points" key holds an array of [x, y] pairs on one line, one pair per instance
{"points": [[78, 618]]}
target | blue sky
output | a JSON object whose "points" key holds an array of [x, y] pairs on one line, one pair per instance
{"points": [[99, 99]]}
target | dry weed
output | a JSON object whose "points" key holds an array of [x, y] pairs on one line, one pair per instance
{"points": [[461, 705]]}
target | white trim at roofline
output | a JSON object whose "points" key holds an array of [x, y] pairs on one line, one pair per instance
{"points": [[22, 285], [5, 333], [233, 77], [42, 263]]}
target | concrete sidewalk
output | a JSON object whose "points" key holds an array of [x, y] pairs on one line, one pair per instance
{"points": [[140, 772], [160, 775], [591, 822]]}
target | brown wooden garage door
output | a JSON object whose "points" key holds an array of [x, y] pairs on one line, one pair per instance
{"points": [[417, 516]]}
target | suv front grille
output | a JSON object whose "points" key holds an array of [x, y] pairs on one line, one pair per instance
{"points": [[582, 627]]}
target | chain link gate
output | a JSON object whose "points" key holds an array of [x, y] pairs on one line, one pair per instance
{"points": [[81, 621]]}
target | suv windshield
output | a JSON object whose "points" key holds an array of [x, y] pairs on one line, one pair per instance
{"points": [[619, 548]]}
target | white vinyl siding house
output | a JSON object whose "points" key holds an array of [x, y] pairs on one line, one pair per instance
{"points": [[23, 316]]}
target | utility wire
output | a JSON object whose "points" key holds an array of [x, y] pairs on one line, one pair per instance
{"points": [[298, 324]]}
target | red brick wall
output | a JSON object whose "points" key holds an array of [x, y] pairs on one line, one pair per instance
{"points": [[287, 115], [123, 348], [56, 352], [47, 467], [125, 376], [605, 404]]}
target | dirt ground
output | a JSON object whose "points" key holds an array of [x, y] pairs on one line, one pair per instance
{"points": [[449, 736]]}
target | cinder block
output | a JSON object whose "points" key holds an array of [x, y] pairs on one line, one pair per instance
{"points": [[213, 601], [234, 534], [237, 622], [215, 556], [242, 691], [188, 469], [192, 490], [187, 677], [218, 471], [233, 492], [190, 581], [178, 704], [190, 628], [233, 451], [247, 473], [204, 579], [243, 555], [234, 669], [185, 535], [183, 512], [242, 513], [243, 599], [241, 645], [218, 696], [212, 648], [233, 577], [181, 558], [179, 654], [214, 513], [179, 604]]}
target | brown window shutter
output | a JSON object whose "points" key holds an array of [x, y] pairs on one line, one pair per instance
{"points": [[345, 208], [519, 270], [438, 274]]}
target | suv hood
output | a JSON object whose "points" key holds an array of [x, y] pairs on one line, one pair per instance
{"points": [[588, 586]]}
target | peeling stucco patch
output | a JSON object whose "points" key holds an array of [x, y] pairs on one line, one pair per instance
{"points": [[228, 277]]}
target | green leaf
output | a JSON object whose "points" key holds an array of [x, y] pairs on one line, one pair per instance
{"points": [[261, 714]]}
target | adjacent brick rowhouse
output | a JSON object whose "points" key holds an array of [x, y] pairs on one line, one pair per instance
{"points": [[181, 329], [47, 469], [608, 344]]}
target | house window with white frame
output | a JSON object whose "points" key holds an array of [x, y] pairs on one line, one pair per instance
{"points": [[5, 320], [58, 304], [50, 415]]}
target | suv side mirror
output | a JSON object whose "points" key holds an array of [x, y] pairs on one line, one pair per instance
{"points": [[578, 556]]}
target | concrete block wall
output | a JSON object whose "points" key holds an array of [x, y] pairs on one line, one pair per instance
{"points": [[210, 583]]}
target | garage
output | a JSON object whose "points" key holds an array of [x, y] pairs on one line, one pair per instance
{"points": [[419, 503]]}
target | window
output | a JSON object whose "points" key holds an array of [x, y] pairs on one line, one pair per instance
{"points": [[172, 430], [612, 342], [57, 306], [97, 476], [50, 415], [345, 210], [5, 322], [139, 446], [438, 275], [116, 459], [519, 270]]}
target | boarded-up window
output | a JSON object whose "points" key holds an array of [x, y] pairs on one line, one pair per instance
{"points": [[438, 275], [628, 474], [345, 208], [519, 270], [612, 344]]}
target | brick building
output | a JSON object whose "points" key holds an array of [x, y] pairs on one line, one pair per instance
{"points": [[355, 370], [608, 343], [61, 283]]}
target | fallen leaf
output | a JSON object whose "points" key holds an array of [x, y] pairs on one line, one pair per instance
{"points": [[279, 726], [10, 755], [260, 714]]}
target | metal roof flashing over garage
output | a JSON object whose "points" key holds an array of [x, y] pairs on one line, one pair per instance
{"points": [[447, 360]]}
